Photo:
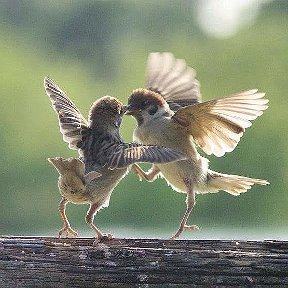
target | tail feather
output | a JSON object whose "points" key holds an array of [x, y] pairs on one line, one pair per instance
{"points": [[73, 168], [232, 184], [70, 164]]}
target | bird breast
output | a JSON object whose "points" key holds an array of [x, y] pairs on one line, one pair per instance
{"points": [[101, 188], [177, 173], [98, 190], [166, 133], [163, 131]]}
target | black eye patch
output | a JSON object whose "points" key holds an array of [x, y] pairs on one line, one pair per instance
{"points": [[144, 103], [153, 110]]}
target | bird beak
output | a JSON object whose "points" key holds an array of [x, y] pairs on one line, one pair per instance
{"points": [[118, 122], [123, 110], [130, 110]]}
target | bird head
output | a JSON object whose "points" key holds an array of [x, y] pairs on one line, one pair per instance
{"points": [[145, 104], [106, 111]]}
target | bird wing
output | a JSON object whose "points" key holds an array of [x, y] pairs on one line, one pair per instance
{"points": [[91, 176], [218, 125], [173, 79], [72, 124], [126, 154]]}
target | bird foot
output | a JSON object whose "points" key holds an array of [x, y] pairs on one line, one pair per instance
{"points": [[103, 237], [191, 227], [137, 172], [182, 228], [68, 232]]}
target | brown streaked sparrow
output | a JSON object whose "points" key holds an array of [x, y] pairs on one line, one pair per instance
{"points": [[168, 112], [105, 156]]}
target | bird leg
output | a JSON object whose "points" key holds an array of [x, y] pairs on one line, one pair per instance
{"points": [[89, 219], [66, 228], [190, 202], [150, 175]]}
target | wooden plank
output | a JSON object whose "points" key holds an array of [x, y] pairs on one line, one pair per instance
{"points": [[83, 262]]}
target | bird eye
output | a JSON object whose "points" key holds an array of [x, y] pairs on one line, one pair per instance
{"points": [[153, 110]]}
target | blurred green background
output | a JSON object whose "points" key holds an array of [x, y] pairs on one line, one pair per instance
{"points": [[95, 48]]}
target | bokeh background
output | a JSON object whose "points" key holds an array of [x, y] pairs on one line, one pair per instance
{"points": [[95, 48]]}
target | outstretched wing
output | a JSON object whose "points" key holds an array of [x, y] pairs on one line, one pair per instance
{"points": [[218, 125], [126, 154], [173, 79], [72, 123]]}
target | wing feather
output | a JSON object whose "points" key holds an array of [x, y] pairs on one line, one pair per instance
{"points": [[126, 154], [173, 79], [218, 125], [71, 122]]}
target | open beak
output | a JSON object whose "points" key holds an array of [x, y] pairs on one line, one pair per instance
{"points": [[123, 109], [130, 110]]}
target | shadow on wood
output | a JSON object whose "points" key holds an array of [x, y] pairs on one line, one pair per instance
{"points": [[82, 262]]}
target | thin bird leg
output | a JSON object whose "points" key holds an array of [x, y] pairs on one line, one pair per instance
{"points": [[89, 219], [190, 202], [66, 228], [150, 175]]}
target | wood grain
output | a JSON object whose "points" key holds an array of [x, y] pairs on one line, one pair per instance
{"points": [[83, 262]]}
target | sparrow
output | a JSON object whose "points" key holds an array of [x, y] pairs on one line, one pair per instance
{"points": [[73, 184], [104, 158], [169, 112]]}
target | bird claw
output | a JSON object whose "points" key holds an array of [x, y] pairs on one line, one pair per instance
{"points": [[182, 228], [68, 232], [103, 237], [135, 169], [191, 227]]}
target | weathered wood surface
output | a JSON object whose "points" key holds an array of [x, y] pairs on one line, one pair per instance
{"points": [[52, 262]]}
